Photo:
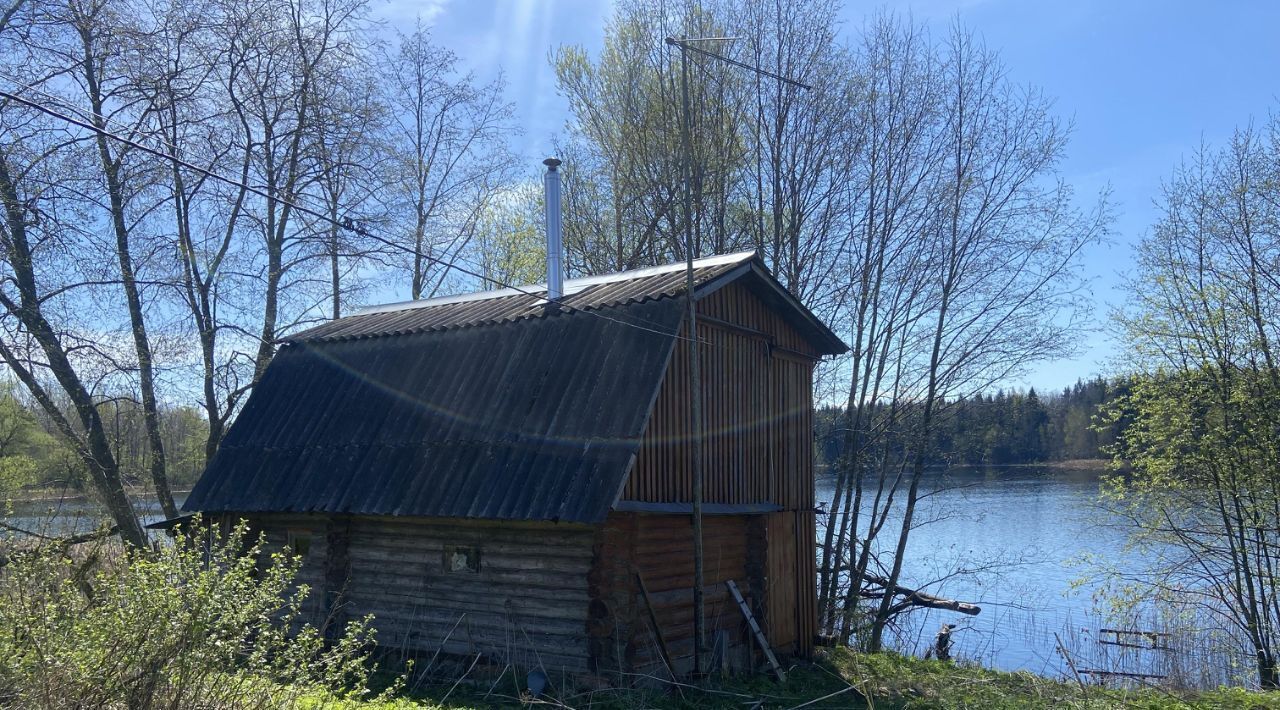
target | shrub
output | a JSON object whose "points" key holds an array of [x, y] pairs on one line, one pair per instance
{"points": [[195, 624]]}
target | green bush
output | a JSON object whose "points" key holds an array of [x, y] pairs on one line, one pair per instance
{"points": [[194, 624]]}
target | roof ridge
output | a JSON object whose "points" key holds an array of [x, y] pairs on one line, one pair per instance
{"points": [[571, 287]]}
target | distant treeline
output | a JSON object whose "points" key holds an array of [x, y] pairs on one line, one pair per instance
{"points": [[33, 456], [1006, 427], [1003, 428]]}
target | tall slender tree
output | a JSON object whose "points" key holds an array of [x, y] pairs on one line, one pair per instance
{"points": [[1201, 440]]}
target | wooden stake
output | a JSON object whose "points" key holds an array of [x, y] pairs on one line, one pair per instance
{"points": [[657, 630], [1070, 663]]}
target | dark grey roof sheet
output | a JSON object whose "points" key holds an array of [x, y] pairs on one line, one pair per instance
{"points": [[480, 406], [536, 419], [489, 307]]}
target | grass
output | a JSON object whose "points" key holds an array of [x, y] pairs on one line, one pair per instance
{"points": [[892, 681], [843, 679]]}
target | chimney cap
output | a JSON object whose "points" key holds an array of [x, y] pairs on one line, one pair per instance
{"points": [[551, 163]]}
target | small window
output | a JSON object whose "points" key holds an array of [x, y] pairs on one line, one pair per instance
{"points": [[299, 543], [461, 559]]}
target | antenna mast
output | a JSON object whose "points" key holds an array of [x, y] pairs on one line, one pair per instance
{"points": [[686, 45]]}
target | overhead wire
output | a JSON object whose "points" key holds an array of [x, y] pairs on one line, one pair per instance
{"points": [[344, 223]]}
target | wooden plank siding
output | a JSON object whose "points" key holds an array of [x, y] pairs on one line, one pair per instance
{"points": [[806, 582], [526, 605], [758, 449], [660, 548], [757, 412], [790, 600], [736, 304]]}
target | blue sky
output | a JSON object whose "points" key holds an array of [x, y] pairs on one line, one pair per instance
{"points": [[1143, 81]]}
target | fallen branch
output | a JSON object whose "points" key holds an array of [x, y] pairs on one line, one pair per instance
{"points": [[69, 540], [1070, 663], [917, 598], [842, 691], [465, 673], [65, 543]]}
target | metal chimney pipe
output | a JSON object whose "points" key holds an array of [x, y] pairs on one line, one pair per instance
{"points": [[555, 239]]}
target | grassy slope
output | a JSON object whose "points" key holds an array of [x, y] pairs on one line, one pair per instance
{"points": [[882, 682]]}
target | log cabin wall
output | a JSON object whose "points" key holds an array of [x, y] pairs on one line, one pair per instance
{"points": [[515, 591], [303, 535]]}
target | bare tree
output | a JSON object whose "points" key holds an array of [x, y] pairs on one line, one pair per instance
{"points": [[98, 50], [885, 299], [448, 138], [41, 352], [278, 55], [348, 163], [804, 144], [1006, 243], [176, 76], [10, 9]]}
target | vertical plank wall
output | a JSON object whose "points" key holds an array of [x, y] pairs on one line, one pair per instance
{"points": [[660, 549], [757, 412], [790, 602], [758, 449]]}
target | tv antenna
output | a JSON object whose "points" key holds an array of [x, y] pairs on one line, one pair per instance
{"points": [[686, 45]]}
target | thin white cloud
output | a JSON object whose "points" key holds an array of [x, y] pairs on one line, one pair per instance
{"points": [[399, 11]]}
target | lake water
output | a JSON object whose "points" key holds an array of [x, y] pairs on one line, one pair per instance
{"points": [[1027, 530], [73, 513]]}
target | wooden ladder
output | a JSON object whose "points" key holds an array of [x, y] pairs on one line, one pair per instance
{"points": [[755, 630]]}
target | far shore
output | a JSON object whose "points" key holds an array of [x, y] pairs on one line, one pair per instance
{"points": [[72, 495], [1068, 465]]}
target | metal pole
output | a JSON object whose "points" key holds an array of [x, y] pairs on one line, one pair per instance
{"points": [[695, 374]]}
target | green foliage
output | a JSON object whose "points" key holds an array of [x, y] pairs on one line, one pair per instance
{"points": [[1199, 453], [182, 428], [623, 152], [197, 623], [34, 455], [510, 239], [28, 454], [1201, 437]]}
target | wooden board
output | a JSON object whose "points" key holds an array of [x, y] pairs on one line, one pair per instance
{"points": [[757, 407], [756, 632]]}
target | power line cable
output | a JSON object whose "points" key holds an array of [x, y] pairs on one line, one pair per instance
{"points": [[345, 223]]}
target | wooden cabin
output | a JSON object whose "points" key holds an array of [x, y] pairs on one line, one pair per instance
{"points": [[490, 474]]}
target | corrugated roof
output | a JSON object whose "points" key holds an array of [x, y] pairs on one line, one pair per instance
{"points": [[530, 420], [416, 409], [488, 307]]}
